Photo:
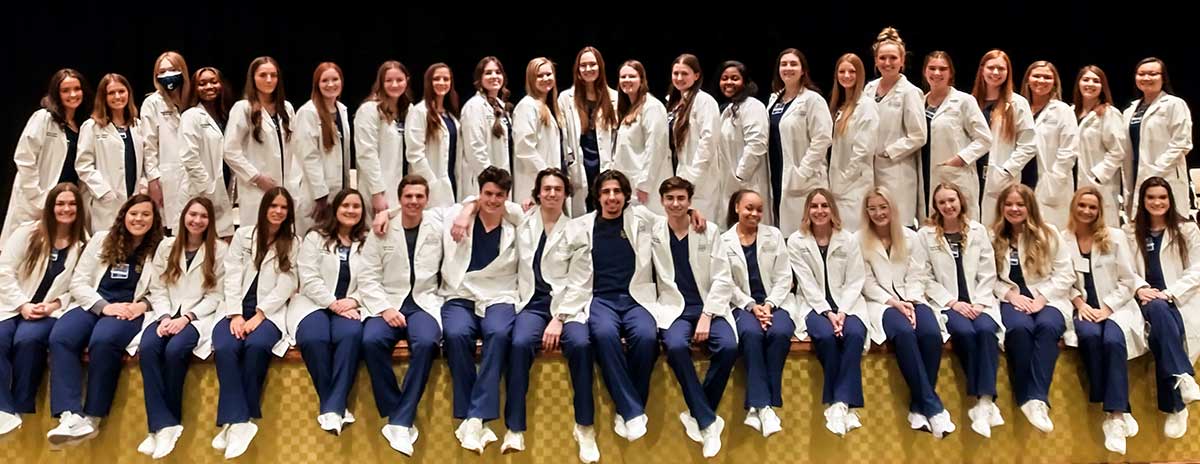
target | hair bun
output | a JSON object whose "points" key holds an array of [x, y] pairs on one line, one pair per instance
{"points": [[889, 33]]}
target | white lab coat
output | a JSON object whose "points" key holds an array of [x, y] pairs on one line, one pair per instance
{"points": [[496, 283], [1058, 145], [571, 132], [1112, 274], [318, 271], [1181, 279], [700, 156], [19, 288], [805, 134], [701, 248], [431, 158], [744, 144], [851, 172], [901, 134], [483, 149], [202, 159], [248, 158], [554, 272], [1007, 158], [275, 286], [1056, 286], [100, 162], [322, 173], [939, 274], [1101, 156], [731, 274], [1164, 141], [643, 151], [389, 255], [846, 275], [40, 154], [536, 146], [187, 294], [886, 279], [577, 250], [86, 282], [379, 150], [958, 129], [161, 126]]}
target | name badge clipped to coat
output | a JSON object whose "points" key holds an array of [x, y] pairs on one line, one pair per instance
{"points": [[1082, 264], [343, 254], [119, 271], [1149, 243], [1014, 257], [53, 255], [955, 250]]}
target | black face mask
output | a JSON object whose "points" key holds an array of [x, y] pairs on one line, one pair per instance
{"points": [[171, 80]]}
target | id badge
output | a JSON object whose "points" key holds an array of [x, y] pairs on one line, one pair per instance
{"points": [[1014, 258], [53, 255], [1083, 265], [119, 271], [343, 254], [1149, 244]]}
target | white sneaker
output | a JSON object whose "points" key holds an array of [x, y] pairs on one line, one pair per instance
{"points": [[941, 425], [619, 426], [1114, 434], [918, 422], [1038, 414], [752, 420], [712, 437], [400, 438], [835, 419], [980, 416], [469, 434], [239, 437], [1188, 390], [147, 446], [347, 418], [690, 427], [221, 441], [852, 420], [513, 441], [71, 427], [9, 422], [330, 422], [770, 421], [1131, 425], [995, 419], [636, 428], [1176, 424], [165, 439], [589, 453]]}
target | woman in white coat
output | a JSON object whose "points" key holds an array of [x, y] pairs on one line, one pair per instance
{"points": [[830, 272], [1108, 321], [1057, 142], [487, 121], [901, 130], [324, 318], [537, 134], [201, 132], [322, 143], [744, 130], [110, 308], [257, 138], [1034, 279], [161, 112], [40, 259], [1160, 135], [260, 278], [434, 140], [45, 153], [800, 132], [112, 162], [589, 109], [379, 139], [1011, 122], [897, 311], [855, 123], [694, 124], [185, 296], [958, 135], [1102, 142], [642, 148], [959, 271], [1169, 250]]}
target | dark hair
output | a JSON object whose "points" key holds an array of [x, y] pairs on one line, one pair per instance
{"points": [[388, 111], [731, 214], [413, 179], [806, 81], [1141, 221], [118, 245], [1104, 100], [676, 183], [173, 271], [613, 174], [1166, 78], [749, 88], [250, 93], [497, 176], [328, 228], [52, 101], [550, 172], [448, 103], [283, 237], [42, 239], [499, 104], [224, 98], [682, 101]]}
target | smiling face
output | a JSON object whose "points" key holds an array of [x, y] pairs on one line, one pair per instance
{"points": [[1041, 81], [820, 211], [1149, 77], [629, 80], [139, 218], [750, 210], [1015, 209], [196, 220], [1087, 209], [65, 209], [888, 60], [331, 84], [790, 69], [938, 74], [266, 77], [395, 82], [731, 82], [995, 72], [1090, 86], [612, 198], [683, 77]]}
